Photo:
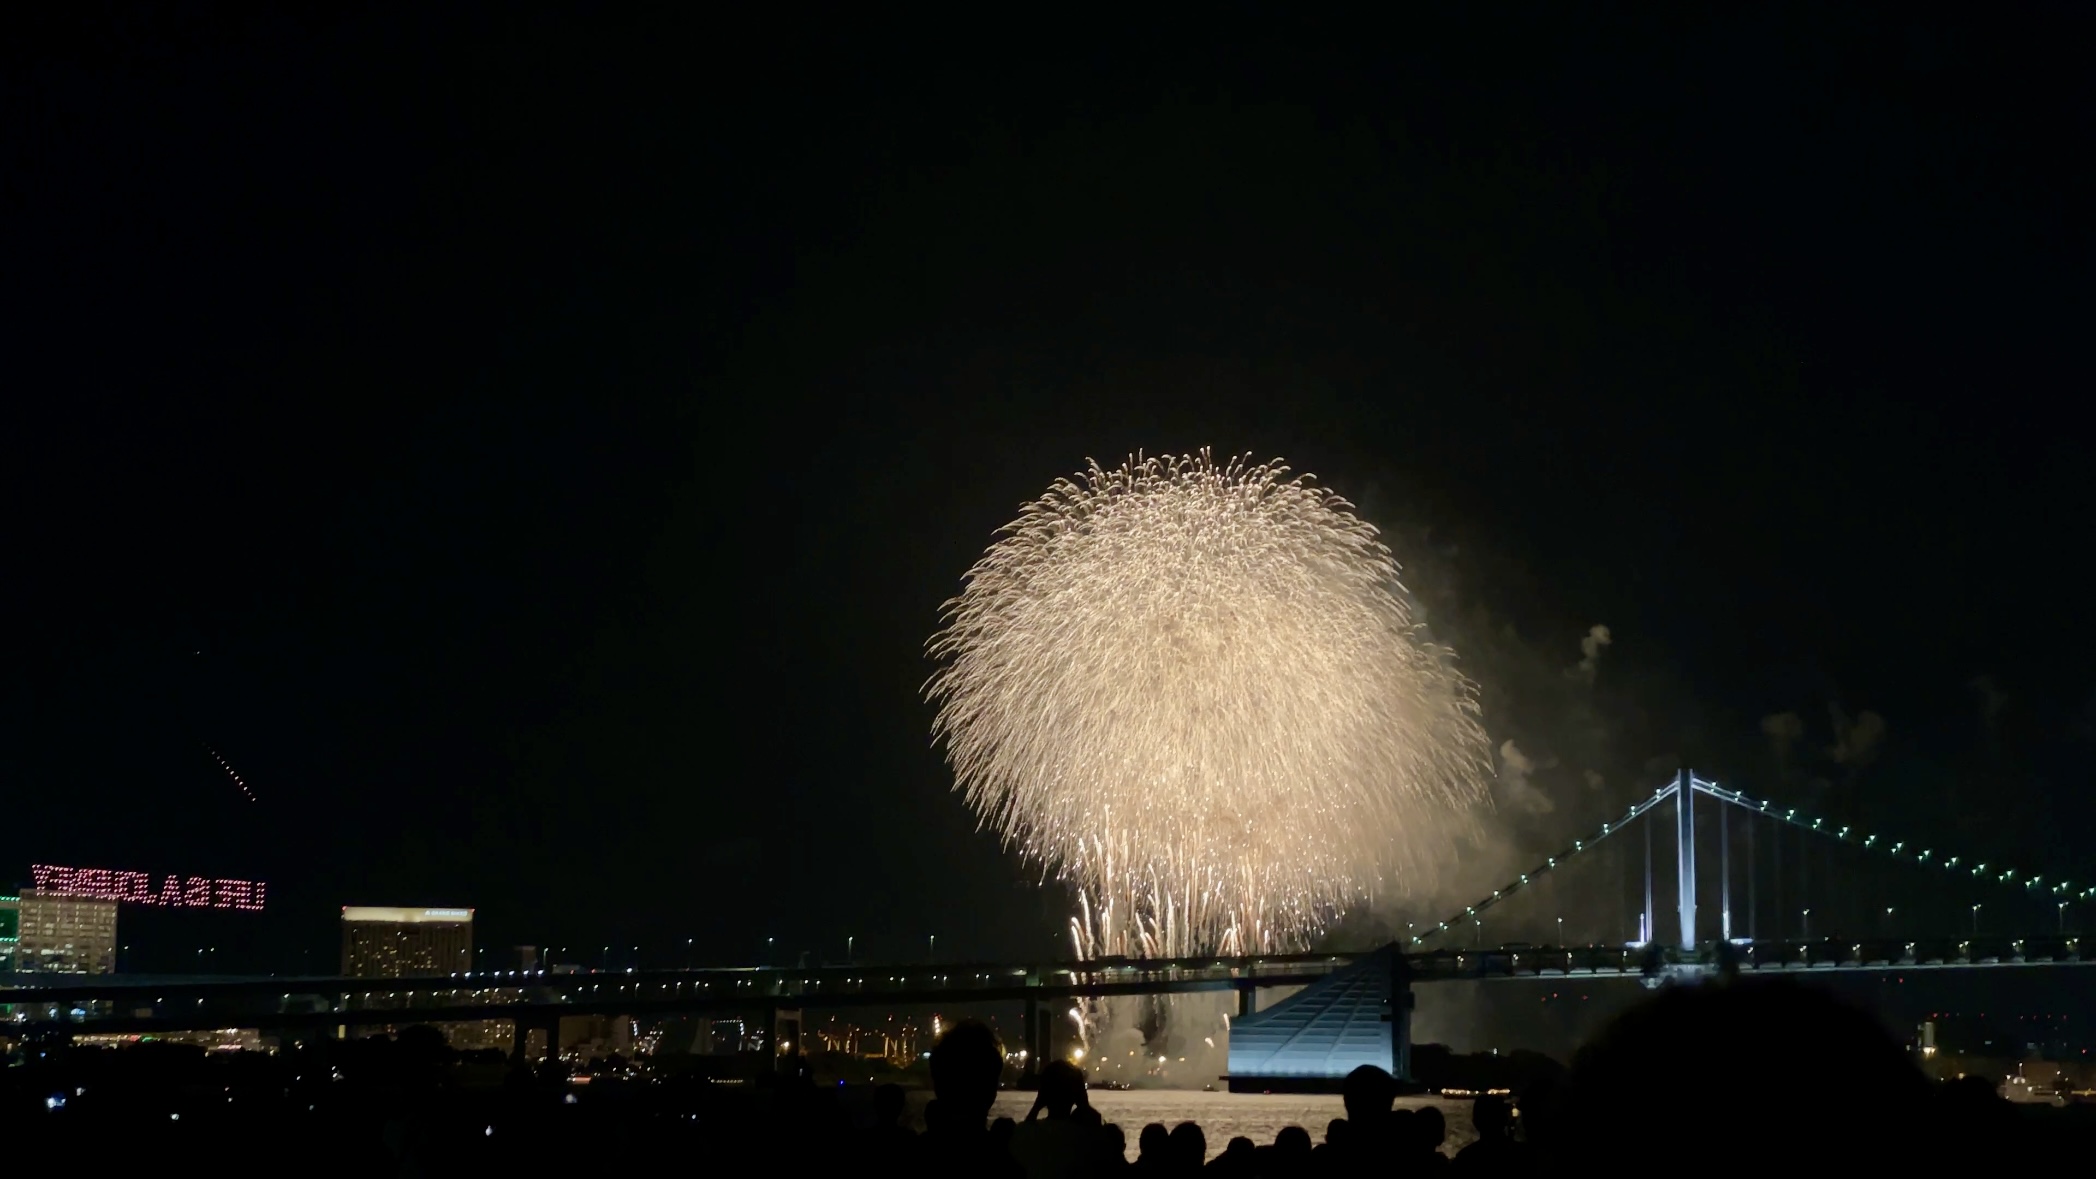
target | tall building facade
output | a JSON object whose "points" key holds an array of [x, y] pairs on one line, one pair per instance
{"points": [[384, 942], [379, 942], [10, 924], [57, 934]]}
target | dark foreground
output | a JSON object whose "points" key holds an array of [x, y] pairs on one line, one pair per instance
{"points": [[1744, 1077]]}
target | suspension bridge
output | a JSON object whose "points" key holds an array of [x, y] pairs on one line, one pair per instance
{"points": [[1872, 897], [1725, 883]]}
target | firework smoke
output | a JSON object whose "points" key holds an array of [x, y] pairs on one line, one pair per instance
{"points": [[1198, 694]]}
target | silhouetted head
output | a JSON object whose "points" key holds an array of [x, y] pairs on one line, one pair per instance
{"points": [[1971, 1117], [1292, 1140], [1152, 1142], [1491, 1116], [1001, 1132], [1116, 1140], [1537, 1105], [1429, 1127], [1694, 1064], [1240, 1149], [1062, 1088], [422, 1043], [1974, 1093], [887, 1104], [1335, 1132], [1189, 1145], [1367, 1093], [966, 1067]]}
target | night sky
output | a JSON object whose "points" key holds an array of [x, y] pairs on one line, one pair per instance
{"points": [[533, 450]]}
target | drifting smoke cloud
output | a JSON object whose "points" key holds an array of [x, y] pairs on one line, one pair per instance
{"points": [[1784, 730], [1993, 700], [1597, 640], [1856, 742], [1516, 777]]}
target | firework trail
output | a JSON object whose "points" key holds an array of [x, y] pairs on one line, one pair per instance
{"points": [[231, 773], [1198, 693]]}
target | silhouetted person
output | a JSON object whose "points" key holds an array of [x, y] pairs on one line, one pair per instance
{"points": [[1367, 1094], [1365, 1141], [1495, 1152], [1189, 1148], [1292, 1153], [1055, 1142], [966, 1067], [1680, 1074], [1113, 1147], [1153, 1149], [1400, 1136], [1336, 1152], [1236, 1159], [1428, 1129], [890, 1140], [1972, 1120]]}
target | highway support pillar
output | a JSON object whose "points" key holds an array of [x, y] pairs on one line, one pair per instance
{"points": [[1037, 1026], [520, 1052], [1399, 1013], [785, 1044]]}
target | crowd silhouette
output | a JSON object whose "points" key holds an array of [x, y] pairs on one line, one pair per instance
{"points": [[1743, 1076]]}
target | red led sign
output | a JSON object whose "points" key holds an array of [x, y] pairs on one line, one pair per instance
{"points": [[174, 892]]}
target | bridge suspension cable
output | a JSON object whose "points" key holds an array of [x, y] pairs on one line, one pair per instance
{"points": [[1894, 849], [1578, 848], [1901, 850]]}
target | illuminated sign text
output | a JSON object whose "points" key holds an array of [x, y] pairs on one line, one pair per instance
{"points": [[138, 888]]}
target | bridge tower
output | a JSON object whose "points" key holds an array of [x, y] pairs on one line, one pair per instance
{"points": [[1685, 856]]}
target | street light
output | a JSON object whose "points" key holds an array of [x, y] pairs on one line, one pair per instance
{"points": [[2063, 916], [848, 950], [1805, 924], [932, 954], [1561, 931], [1975, 920]]}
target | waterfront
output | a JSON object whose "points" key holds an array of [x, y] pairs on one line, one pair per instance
{"points": [[1223, 1116]]}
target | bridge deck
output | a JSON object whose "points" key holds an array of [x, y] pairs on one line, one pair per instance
{"points": [[142, 1004]]}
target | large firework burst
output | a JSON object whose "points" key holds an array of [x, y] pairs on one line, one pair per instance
{"points": [[1199, 693]]}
